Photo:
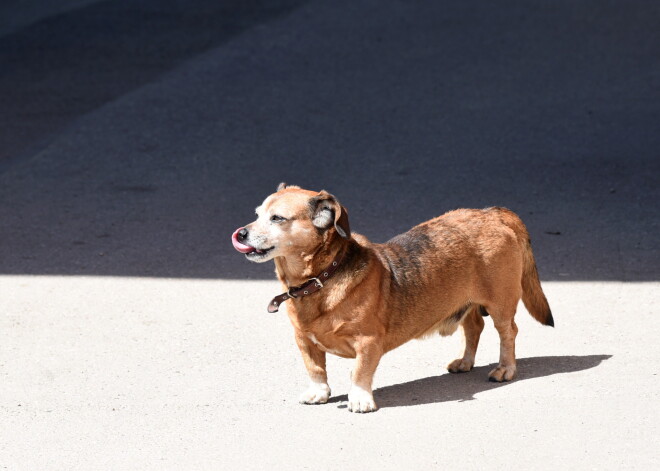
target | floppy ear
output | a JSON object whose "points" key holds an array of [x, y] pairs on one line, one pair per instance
{"points": [[326, 210]]}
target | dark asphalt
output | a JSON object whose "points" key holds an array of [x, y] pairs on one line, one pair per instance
{"points": [[61, 67], [138, 135]]}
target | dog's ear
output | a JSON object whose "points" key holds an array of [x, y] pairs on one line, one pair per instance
{"points": [[283, 185], [326, 210]]}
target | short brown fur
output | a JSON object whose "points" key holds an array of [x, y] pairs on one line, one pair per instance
{"points": [[445, 273]]}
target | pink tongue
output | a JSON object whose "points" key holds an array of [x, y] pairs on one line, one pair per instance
{"points": [[242, 248]]}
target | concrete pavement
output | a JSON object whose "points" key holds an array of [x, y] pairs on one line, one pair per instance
{"points": [[123, 373], [132, 336]]}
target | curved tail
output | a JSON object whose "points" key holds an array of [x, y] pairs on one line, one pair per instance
{"points": [[532, 296]]}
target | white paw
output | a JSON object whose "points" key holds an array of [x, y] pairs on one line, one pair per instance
{"points": [[360, 400], [316, 393]]}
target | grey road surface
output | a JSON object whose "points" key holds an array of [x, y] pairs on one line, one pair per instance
{"points": [[136, 135]]}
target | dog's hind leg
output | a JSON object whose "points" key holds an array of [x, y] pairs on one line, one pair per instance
{"points": [[472, 326], [506, 327]]}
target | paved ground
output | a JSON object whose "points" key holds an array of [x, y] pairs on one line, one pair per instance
{"points": [[137, 135]]}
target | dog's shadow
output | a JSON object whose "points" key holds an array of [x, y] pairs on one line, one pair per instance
{"points": [[464, 386]]}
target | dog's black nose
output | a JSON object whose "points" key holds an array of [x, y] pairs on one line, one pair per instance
{"points": [[242, 235]]}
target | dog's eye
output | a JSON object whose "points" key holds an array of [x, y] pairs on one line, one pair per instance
{"points": [[276, 218]]}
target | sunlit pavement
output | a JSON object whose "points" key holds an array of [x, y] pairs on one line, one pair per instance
{"points": [[122, 373]]}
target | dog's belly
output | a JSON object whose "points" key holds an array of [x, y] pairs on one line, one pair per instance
{"points": [[447, 325], [445, 328]]}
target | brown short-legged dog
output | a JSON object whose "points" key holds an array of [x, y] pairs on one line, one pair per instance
{"points": [[357, 299]]}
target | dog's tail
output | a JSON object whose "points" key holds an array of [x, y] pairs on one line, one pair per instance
{"points": [[532, 294]]}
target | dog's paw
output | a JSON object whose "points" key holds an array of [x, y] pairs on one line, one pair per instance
{"points": [[316, 393], [502, 373], [460, 365], [360, 400]]}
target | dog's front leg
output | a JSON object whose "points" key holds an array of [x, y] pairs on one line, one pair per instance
{"points": [[318, 391], [360, 397]]}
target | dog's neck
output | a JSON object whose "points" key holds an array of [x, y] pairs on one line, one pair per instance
{"points": [[293, 271]]}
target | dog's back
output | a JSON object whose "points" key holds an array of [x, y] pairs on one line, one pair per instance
{"points": [[466, 256]]}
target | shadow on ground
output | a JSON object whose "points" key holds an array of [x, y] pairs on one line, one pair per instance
{"points": [[465, 386], [64, 66]]}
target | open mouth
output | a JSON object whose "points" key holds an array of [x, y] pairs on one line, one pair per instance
{"points": [[248, 250], [257, 253]]}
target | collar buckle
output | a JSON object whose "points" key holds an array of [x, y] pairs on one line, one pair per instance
{"points": [[319, 284], [310, 286]]}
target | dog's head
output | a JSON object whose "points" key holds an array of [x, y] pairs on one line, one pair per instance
{"points": [[291, 222]]}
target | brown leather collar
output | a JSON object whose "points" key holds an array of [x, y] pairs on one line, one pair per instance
{"points": [[308, 287]]}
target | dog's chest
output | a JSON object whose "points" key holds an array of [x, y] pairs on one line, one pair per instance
{"points": [[325, 348]]}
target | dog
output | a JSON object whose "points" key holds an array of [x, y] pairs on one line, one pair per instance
{"points": [[357, 299]]}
